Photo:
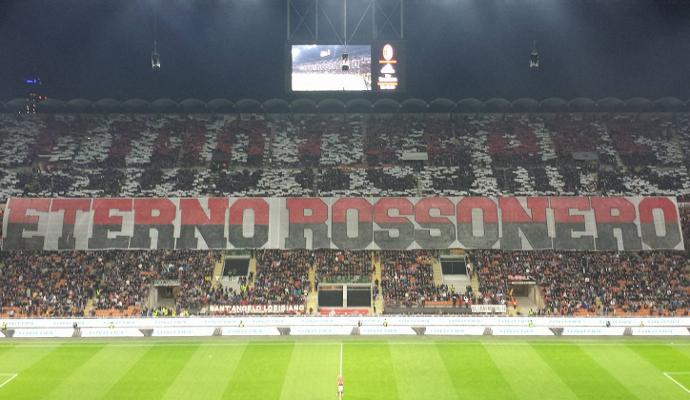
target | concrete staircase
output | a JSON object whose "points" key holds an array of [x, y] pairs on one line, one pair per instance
{"points": [[252, 271], [90, 305], [312, 279], [474, 282], [438, 272], [312, 303], [312, 296], [217, 274], [376, 277]]}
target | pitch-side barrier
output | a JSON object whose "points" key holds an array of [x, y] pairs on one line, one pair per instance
{"points": [[341, 326]]}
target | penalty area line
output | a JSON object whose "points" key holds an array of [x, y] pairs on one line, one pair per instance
{"points": [[8, 380], [668, 375]]}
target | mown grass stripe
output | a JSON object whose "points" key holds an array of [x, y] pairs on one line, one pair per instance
{"points": [[538, 381], [665, 358], [312, 372], [639, 376], [5, 349], [473, 372], [152, 374], [98, 374], [206, 374], [261, 373], [584, 376], [368, 373], [36, 381], [17, 359], [420, 373]]}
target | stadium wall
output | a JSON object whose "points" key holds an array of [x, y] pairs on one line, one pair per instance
{"points": [[343, 326]]}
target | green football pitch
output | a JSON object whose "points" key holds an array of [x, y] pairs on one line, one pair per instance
{"points": [[303, 369]]}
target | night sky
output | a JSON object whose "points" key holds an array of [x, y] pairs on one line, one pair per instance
{"points": [[455, 48]]}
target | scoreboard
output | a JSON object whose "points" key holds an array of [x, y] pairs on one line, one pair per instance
{"points": [[372, 67]]}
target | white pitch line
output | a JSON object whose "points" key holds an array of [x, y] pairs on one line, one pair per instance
{"points": [[12, 376], [341, 360], [667, 374], [145, 343]]}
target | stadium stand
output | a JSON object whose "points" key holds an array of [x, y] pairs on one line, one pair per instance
{"points": [[343, 266], [117, 282], [594, 283], [282, 277], [407, 278], [97, 155]]}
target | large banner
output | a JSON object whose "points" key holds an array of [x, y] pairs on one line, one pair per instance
{"points": [[509, 223]]}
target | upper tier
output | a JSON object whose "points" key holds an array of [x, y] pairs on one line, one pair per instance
{"points": [[78, 155]]}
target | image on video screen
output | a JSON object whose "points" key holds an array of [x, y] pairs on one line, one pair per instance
{"points": [[331, 68]]}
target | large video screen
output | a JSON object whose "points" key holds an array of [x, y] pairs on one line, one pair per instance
{"points": [[331, 68], [377, 67]]}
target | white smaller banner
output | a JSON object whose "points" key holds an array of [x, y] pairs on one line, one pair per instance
{"points": [[257, 309], [44, 333], [592, 331], [320, 330], [659, 331], [488, 308], [386, 330], [2, 335], [454, 330], [520, 331], [250, 331], [111, 332], [184, 331]]}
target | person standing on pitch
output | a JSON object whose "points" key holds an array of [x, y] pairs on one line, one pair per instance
{"points": [[340, 387]]}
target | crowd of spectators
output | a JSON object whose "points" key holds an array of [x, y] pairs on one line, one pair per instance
{"points": [[117, 282], [47, 284], [407, 278], [482, 154], [335, 266], [194, 271], [282, 278], [573, 283]]}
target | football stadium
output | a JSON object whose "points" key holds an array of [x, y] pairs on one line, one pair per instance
{"points": [[345, 199]]}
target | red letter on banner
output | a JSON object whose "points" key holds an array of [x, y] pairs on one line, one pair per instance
{"points": [[162, 222], [442, 224], [211, 227], [606, 223], [650, 234], [466, 231], [103, 223], [515, 219], [399, 223], [261, 223], [70, 208], [365, 228], [19, 221], [566, 223], [307, 214]]}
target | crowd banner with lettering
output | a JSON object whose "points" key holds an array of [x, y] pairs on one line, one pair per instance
{"points": [[509, 223], [257, 309], [488, 308]]}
